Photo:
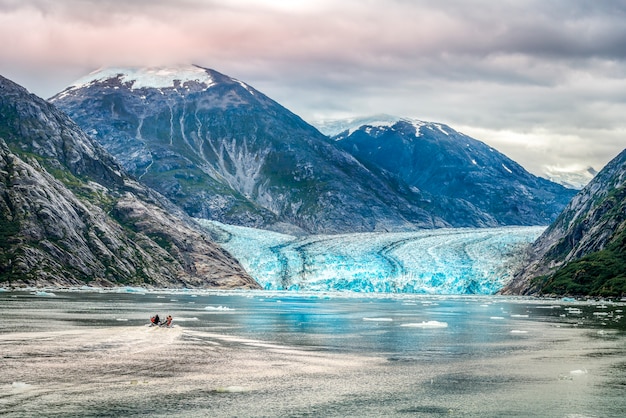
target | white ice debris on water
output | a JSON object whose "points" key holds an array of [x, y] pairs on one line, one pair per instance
{"points": [[426, 324], [231, 389], [44, 294], [21, 386]]}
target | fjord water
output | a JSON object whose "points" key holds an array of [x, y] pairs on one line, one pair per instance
{"points": [[288, 354]]}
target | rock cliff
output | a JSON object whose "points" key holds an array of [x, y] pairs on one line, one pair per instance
{"points": [[69, 215], [584, 251]]}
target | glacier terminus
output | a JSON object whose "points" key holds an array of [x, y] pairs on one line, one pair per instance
{"points": [[434, 261]]}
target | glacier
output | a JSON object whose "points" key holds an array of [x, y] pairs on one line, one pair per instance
{"points": [[440, 261]]}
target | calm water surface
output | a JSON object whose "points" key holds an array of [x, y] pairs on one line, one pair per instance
{"points": [[259, 354]]}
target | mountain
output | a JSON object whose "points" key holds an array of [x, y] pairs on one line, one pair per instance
{"points": [[572, 179], [334, 127], [69, 214], [222, 150], [584, 251], [470, 182]]}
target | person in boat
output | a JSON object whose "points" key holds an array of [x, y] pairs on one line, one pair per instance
{"points": [[155, 320], [168, 321]]}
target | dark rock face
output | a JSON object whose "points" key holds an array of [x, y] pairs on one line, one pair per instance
{"points": [[471, 183], [69, 214], [587, 242]]}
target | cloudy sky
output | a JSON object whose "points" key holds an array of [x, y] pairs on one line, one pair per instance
{"points": [[542, 81]]}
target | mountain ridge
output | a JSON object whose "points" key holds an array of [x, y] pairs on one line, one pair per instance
{"points": [[224, 151], [472, 180], [571, 177], [254, 162]]}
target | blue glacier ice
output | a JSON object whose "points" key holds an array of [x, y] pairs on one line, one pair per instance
{"points": [[441, 261]]}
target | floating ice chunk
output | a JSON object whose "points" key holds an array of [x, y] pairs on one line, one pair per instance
{"points": [[218, 308], [20, 386], [44, 294], [231, 389], [378, 319], [2, 289], [130, 289], [427, 324]]}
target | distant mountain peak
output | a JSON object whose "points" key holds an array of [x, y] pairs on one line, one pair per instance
{"points": [[570, 177], [342, 128], [332, 127]]}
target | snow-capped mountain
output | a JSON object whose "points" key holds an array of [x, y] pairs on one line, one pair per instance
{"points": [[224, 151], [471, 181], [572, 179], [334, 127]]}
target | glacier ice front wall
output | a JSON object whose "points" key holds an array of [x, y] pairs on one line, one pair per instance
{"points": [[441, 261]]}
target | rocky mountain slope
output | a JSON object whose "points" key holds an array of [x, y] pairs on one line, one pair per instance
{"points": [[584, 251], [224, 151], [69, 214], [471, 183]]}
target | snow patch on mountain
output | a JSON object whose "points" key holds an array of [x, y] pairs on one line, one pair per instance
{"points": [[148, 77]]}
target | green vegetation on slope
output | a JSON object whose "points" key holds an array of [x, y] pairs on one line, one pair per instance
{"points": [[602, 273]]}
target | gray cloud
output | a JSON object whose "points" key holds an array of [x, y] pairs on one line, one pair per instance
{"points": [[552, 74]]}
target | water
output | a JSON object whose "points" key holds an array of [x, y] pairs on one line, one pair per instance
{"points": [[286, 354]]}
